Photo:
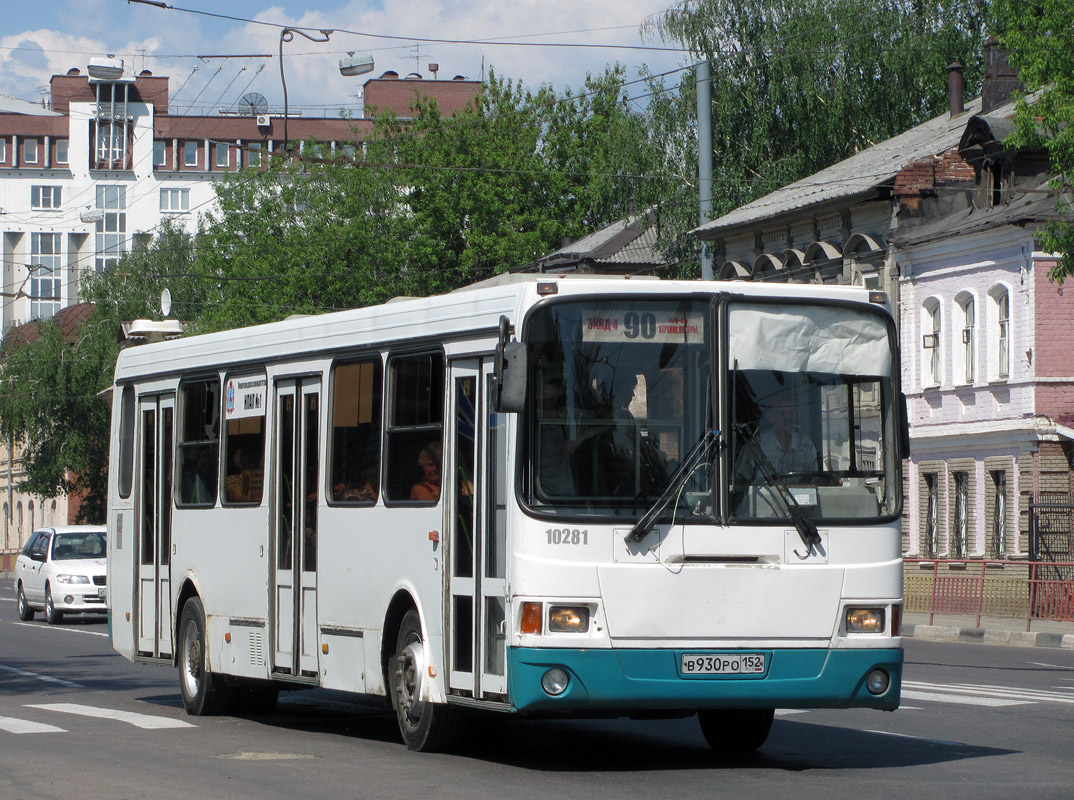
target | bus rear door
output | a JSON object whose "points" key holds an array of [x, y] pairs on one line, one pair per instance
{"points": [[153, 603]]}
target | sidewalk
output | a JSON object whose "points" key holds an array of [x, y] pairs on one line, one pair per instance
{"points": [[993, 630]]}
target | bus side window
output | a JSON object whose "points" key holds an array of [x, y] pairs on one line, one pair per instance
{"points": [[199, 442], [415, 427], [355, 437], [126, 442]]}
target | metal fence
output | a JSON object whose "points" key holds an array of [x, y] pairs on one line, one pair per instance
{"points": [[1026, 590]]}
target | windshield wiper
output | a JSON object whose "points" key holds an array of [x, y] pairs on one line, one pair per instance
{"points": [[697, 455], [805, 526]]}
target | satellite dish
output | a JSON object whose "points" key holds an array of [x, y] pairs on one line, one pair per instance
{"points": [[253, 104], [165, 302]]}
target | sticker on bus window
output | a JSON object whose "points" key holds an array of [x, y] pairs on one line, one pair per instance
{"points": [[643, 326], [245, 397]]}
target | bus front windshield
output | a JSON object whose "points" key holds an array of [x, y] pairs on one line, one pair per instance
{"points": [[619, 393], [812, 413]]}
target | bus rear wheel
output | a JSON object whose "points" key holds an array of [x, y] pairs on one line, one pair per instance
{"points": [[736, 730], [203, 692], [425, 726]]}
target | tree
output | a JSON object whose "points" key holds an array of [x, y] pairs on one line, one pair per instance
{"points": [[798, 85], [1040, 39], [50, 407]]}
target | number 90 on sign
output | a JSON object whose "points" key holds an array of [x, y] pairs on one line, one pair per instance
{"points": [[723, 663]]}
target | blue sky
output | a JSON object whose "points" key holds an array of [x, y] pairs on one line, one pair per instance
{"points": [[40, 38]]}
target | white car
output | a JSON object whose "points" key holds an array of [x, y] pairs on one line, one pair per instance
{"points": [[63, 571]]}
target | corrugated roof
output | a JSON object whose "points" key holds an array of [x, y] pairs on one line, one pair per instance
{"points": [[862, 173]]}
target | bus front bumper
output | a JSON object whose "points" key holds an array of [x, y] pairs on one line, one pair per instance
{"points": [[629, 681]]}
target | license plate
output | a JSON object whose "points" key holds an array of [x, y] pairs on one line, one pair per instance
{"points": [[723, 663]]}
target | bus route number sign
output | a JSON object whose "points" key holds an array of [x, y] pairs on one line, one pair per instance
{"points": [[723, 663]]}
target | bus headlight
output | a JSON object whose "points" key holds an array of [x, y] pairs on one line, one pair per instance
{"points": [[568, 619], [865, 620]]}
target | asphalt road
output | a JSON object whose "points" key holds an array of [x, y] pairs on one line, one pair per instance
{"points": [[76, 720]]}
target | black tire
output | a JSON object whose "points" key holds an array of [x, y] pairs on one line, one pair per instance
{"points": [[736, 730], [425, 727], [26, 614], [52, 616], [203, 692]]}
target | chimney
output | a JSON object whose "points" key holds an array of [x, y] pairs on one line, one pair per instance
{"points": [[954, 89], [1000, 79]]}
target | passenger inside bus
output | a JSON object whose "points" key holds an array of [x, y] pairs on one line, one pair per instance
{"points": [[246, 481], [428, 488], [778, 448]]}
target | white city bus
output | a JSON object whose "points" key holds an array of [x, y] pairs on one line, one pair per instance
{"points": [[544, 495]]}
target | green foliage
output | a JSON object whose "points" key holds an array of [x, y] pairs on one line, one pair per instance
{"points": [[798, 85], [1040, 38]]}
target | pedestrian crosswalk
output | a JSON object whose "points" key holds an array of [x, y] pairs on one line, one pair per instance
{"points": [[982, 694], [144, 721]]}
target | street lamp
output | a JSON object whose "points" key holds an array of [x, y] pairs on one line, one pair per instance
{"points": [[352, 65]]}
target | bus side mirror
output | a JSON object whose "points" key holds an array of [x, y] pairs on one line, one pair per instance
{"points": [[513, 377], [509, 378]]}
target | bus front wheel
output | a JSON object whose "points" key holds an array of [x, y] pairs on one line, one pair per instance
{"points": [[425, 726], [736, 730], [203, 692]]}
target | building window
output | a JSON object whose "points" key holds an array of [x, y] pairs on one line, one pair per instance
{"points": [[961, 533], [999, 514], [3, 150], [45, 275], [253, 154], [43, 198], [223, 155], [190, 154], [111, 234], [29, 151], [999, 323], [928, 544], [61, 151], [964, 348], [930, 343], [110, 145], [174, 200], [160, 153]]}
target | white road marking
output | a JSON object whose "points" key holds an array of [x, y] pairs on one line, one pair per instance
{"points": [[919, 738], [985, 690], [938, 697], [1049, 666], [146, 721], [45, 678], [12, 725], [55, 628]]}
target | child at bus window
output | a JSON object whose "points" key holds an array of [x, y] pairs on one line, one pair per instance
{"points": [[428, 488]]}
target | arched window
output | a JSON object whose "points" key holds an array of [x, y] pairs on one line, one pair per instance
{"points": [[931, 340], [999, 335], [963, 350]]}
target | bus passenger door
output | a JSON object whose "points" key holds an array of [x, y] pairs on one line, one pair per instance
{"points": [[296, 452], [475, 482], [153, 603]]}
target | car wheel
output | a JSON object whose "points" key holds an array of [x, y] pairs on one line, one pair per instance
{"points": [[736, 730], [425, 726], [203, 692], [52, 616], [25, 612]]}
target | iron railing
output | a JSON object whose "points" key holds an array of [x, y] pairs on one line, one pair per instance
{"points": [[1026, 590]]}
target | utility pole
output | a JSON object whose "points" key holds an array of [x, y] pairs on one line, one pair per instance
{"points": [[704, 158]]}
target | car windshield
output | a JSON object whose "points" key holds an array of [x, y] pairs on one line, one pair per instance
{"points": [[812, 413], [620, 393], [70, 546]]}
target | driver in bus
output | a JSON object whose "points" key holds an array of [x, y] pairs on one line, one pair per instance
{"points": [[778, 446]]}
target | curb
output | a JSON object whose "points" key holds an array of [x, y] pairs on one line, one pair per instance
{"points": [[946, 633]]}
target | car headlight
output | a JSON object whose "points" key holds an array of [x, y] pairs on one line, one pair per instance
{"points": [[568, 619], [72, 579], [865, 620]]}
